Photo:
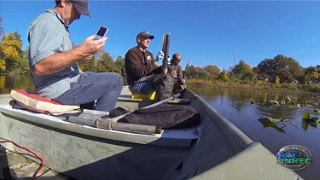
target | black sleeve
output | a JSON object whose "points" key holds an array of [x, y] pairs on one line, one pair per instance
{"points": [[158, 70], [180, 77], [134, 64]]}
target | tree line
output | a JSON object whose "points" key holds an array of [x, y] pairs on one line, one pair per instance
{"points": [[280, 69]]}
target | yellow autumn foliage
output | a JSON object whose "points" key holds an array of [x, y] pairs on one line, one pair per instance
{"points": [[277, 80], [82, 66], [2, 65], [11, 46], [314, 75], [2, 81], [248, 68]]}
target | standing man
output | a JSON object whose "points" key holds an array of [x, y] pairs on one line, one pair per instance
{"points": [[143, 74], [176, 72], [54, 62]]}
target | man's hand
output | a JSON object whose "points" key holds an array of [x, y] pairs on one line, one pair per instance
{"points": [[160, 56], [86, 59], [90, 46], [59, 61]]}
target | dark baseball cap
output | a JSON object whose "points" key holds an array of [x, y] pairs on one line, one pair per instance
{"points": [[176, 57], [82, 6], [145, 34]]}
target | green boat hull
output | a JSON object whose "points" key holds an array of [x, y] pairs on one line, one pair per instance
{"points": [[215, 149]]}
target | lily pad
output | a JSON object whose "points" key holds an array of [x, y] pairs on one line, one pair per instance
{"points": [[274, 102], [288, 98], [307, 120], [273, 120], [305, 125], [306, 115], [252, 101], [292, 103]]}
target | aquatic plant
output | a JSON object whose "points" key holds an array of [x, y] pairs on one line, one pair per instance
{"points": [[307, 120]]}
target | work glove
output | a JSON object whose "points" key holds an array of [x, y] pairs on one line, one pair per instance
{"points": [[169, 60], [159, 56]]}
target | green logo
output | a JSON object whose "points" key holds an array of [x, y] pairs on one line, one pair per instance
{"points": [[294, 157]]}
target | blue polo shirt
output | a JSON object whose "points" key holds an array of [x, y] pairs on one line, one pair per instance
{"points": [[48, 35]]}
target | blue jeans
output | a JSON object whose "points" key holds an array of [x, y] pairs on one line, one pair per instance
{"points": [[142, 86], [103, 87]]}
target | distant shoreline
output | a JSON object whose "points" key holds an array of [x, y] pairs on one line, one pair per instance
{"points": [[307, 88]]}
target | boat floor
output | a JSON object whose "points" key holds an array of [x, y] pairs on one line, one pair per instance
{"points": [[24, 168]]}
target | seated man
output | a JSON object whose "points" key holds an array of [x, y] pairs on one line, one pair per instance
{"points": [[54, 62], [143, 74], [176, 72]]}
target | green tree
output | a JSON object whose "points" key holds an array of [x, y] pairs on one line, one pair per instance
{"points": [[312, 72], [266, 66], [120, 66], [244, 71], [197, 72], [289, 64], [90, 66], [262, 76], [191, 72], [284, 75], [223, 76], [280, 64], [304, 79], [213, 70], [24, 62], [201, 73], [105, 64]]}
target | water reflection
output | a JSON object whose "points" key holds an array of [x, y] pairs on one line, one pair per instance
{"points": [[7, 83], [239, 100], [234, 104], [305, 125], [277, 111], [267, 123]]}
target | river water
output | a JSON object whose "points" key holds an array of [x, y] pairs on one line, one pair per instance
{"points": [[234, 104]]}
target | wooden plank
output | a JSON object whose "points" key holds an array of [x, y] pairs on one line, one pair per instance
{"points": [[23, 168], [27, 171], [53, 175], [16, 160]]}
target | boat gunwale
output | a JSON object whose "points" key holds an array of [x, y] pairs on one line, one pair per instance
{"points": [[113, 135], [235, 138]]}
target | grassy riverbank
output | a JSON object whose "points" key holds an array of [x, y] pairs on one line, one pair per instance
{"points": [[310, 88]]}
